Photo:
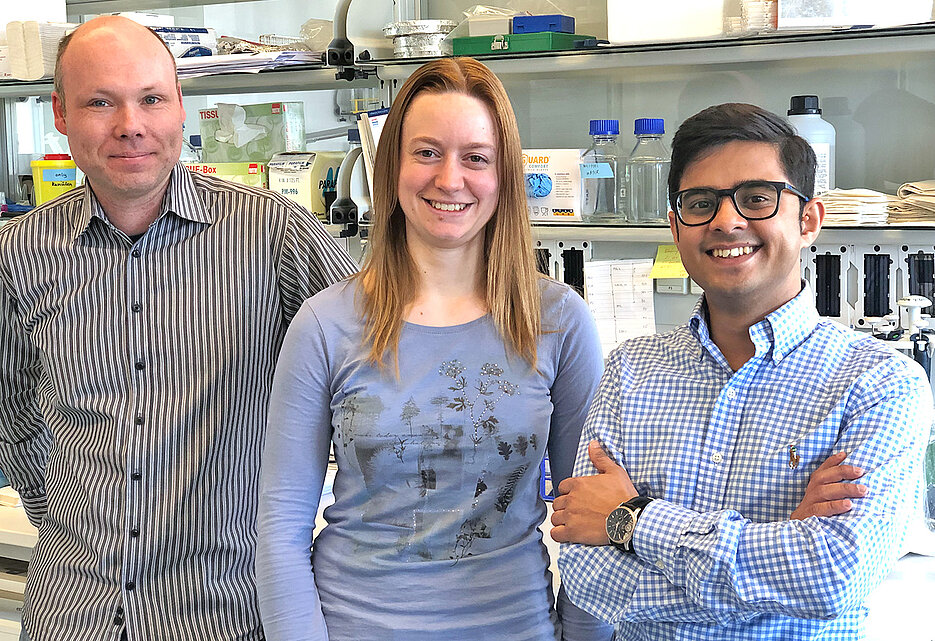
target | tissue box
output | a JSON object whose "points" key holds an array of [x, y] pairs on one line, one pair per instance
{"points": [[5, 72], [629, 22], [310, 179], [553, 184], [251, 133], [189, 42], [846, 13], [245, 173]]}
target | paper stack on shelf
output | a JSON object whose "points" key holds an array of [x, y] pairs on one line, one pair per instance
{"points": [[245, 62], [916, 204], [370, 124], [9, 497], [38, 10], [852, 207], [33, 47]]}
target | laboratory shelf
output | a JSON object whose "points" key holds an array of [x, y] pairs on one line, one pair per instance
{"points": [[850, 235], [278, 80], [772, 47], [108, 6]]}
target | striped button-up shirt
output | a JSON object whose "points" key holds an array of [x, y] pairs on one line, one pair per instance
{"points": [[727, 456], [134, 380]]}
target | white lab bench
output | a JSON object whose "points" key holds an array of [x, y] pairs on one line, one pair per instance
{"points": [[901, 608]]}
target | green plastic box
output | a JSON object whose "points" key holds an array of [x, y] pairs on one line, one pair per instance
{"points": [[508, 43]]}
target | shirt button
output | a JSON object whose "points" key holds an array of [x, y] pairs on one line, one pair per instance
{"points": [[717, 458], [135, 253], [140, 365], [137, 307], [130, 585], [660, 564], [732, 393], [139, 420], [136, 476], [118, 619], [135, 532]]}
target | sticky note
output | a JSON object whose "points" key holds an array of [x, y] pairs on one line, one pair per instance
{"points": [[668, 263]]}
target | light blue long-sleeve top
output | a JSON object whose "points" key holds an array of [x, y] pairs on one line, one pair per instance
{"points": [[433, 532], [727, 456]]}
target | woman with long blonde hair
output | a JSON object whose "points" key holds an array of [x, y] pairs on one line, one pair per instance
{"points": [[440, 375]]}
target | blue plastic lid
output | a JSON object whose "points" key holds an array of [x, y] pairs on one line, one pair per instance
{"points": [[651, 126], [353, 135], [195, 140], [605, 127]]}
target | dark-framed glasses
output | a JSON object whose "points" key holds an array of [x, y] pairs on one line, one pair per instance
{"points": [[753, 199]]}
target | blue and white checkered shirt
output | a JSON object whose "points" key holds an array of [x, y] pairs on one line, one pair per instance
{"points": [[717, 556]]}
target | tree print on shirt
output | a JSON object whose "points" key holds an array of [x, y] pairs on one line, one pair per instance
{"points": [[479, 400]]}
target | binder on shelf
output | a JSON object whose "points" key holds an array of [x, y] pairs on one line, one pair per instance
{"points": [[370, 124]]}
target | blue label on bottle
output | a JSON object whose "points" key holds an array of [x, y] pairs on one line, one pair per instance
{"points": [[596, 170], [59, 174]]}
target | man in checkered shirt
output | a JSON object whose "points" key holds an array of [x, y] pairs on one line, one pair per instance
{"points": [[686, 518]]}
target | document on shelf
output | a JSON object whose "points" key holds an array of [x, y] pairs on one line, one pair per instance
{"points": [[244, 62], [620, 296]]}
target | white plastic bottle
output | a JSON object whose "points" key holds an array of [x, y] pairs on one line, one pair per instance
{"points": [[805, 116]]}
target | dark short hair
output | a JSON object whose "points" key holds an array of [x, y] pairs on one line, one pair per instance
{"points": [[736, 121]]}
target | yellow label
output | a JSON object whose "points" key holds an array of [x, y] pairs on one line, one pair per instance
{"points": [[668, 263]]}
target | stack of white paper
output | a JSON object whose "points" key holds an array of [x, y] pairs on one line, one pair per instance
{"points": [[916, 204], [857, 207], [33, 47], [38, 10], [620, 296]]}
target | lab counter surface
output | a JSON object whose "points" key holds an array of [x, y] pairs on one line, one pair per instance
{"points": [[901, 608]]}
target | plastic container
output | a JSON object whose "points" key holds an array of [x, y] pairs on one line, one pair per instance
{"points": [[647, 174], [805, 116], [537, 24], [52, 176], [599, 174], [545, 41]]}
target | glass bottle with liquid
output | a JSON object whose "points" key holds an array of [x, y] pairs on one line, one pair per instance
{"points": [[599, 174], [647, 174]]}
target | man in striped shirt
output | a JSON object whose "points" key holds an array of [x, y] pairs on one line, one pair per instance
{"points": [[140, 317], [715, 431]]}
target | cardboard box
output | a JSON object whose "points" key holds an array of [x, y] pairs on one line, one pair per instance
{"points": [[251, 133], [189, 42], [485, 25], [806, 14], [310, 179], [553, 184], [245, 173], [629, 22]]}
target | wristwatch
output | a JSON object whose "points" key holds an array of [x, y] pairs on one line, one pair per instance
{"points": [[622, 522]]}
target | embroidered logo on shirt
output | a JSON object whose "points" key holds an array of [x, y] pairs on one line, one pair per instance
{"points": [[793, 457]]}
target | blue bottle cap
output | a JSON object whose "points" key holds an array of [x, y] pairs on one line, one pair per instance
{"points": [[651, 126], [605, 127]]}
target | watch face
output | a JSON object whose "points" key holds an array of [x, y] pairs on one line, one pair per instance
{"points": [[620, 525]]}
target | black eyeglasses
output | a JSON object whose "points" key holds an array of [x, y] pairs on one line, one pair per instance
{"points": [[754, 200]]}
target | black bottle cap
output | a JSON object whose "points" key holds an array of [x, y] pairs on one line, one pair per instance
{"points": [[799, 105]]}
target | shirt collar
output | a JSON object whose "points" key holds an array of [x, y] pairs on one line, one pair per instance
{"points": [[182, 198], [780, 332]]}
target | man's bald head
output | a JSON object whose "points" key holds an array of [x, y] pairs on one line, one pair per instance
{"points": [[112, 23]]}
